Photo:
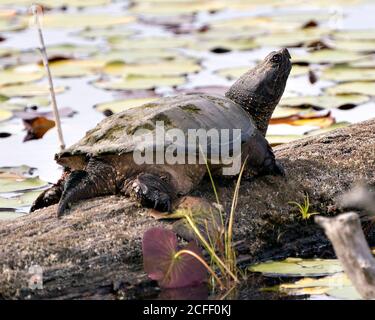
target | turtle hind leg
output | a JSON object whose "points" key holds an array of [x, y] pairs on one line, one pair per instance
{"points": [[98, 179], [150, 191], [50, 196]]}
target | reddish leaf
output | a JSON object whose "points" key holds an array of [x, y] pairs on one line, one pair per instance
{"points": [[37, 127], [159, 248]]}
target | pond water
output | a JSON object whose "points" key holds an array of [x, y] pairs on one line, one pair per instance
{"points": [[207, 43]]}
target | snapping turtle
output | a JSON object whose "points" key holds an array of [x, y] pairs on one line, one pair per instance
{"points": [[102, 162]]}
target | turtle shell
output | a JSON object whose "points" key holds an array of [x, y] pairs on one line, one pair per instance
{"points": [[114, 135]]}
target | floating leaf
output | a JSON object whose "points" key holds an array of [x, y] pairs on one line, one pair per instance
{"points": [[138, 82], [296, 267], [28, 90], [121, 105], [159, 248], [321, 120], [236, 72], [81, 20], [354, 35], [366, 88], [14, 183], [328, 129], [346, 73], [5, 115], [325, 101], [19, 75], [75, 68], [169, 68], [148, 43], [24, 200], [327, 56], [355, 45], [291, 39], [337, 286], [224, 44], [275, 140], [37, 127]]}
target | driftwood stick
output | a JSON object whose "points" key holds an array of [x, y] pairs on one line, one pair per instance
{"points": [[351, 248]]}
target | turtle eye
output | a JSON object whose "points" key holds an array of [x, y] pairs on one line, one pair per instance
{"points": [[276, 58]]}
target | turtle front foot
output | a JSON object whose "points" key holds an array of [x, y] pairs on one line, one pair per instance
{"points": [[151, 191]]}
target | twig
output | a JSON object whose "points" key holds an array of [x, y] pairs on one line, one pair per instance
{"points": [[35, 9]]}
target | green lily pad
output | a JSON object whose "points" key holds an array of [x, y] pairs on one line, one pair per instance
{"points": [[295, 267], [17, 180], [121, 105], [366, 88], [347, 73], [28, 90], [148, 43], [328, 56], [138, 82], [19, 75], [24, 200], [94, 33], [324, 101], [76, 68], [5, 115], [229, 44], [169, 68]]}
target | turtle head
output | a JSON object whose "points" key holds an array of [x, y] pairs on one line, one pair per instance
{"points": [[259, 90]]}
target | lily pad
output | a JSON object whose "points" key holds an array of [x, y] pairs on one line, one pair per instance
{"points": [[28, 90], [354, 35], [328, 56], [365, 88], [275, 140], [121, 105], [83, 20], [148, 43], [325, 101], [5, 115], [10, 215], [328, 129], [17, 183], [347, 73], [355, 45], [138, 82], [169, 68], [337, 286], [296, 267], [19, 75], [24, 200], [75, 68]]}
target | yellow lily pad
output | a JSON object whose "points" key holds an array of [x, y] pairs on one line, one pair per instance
{"points": [[57, 3], [354, 35], [10, 215], [121, 105], [328, 129], [138, 82], [328, 56], [296, 267], [75, 68], [169, 68], [275, 140], [355, 45], [346, 73], [148, 43], [366, 88], [291, 39], [82, 20], [28, 90], [17, 75], [236, 72], [324, 101], [5, 114]]}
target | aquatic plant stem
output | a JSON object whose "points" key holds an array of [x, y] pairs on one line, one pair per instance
{"points": [[209, 269], [35, 10]]}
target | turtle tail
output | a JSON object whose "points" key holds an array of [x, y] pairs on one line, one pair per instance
{"points": [[98, 179]]}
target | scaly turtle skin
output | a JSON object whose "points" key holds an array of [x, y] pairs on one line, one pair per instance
{"points": [[102, 162]]}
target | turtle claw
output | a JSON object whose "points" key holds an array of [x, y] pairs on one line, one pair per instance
{"points": [[152, 192]]}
